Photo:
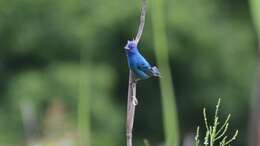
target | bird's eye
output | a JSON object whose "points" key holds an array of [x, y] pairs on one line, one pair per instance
{"points": [[131, 45]]}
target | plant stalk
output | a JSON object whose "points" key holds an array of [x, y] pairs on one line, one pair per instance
{"points": [[130, 108]]}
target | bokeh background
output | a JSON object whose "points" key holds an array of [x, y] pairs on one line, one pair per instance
{"points": [[64, 74]]}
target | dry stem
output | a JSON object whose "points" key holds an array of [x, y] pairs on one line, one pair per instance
{"points": [[130, 108], [131, 99]]}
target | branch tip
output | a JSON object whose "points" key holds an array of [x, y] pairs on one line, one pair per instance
{"points": [[142, 21]]}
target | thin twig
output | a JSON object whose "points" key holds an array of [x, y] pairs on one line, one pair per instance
{"points": [[224, 125], [142, 21], [131, 99]]}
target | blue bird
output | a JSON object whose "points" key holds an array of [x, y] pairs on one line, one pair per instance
{"points": [[138, 64]]}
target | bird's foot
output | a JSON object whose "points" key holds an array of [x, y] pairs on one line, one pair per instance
{"points": [[134, 101]]}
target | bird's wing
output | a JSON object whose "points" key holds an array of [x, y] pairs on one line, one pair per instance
{"points": [[144, 66]]}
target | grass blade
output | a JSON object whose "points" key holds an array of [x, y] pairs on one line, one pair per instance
{"points": [[170, 117]]}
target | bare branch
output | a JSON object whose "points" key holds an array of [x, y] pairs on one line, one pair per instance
{"points": [[130, 108], [142, 21], [131, 99]]}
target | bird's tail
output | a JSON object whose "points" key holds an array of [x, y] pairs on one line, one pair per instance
{"points": [[156, 72]]}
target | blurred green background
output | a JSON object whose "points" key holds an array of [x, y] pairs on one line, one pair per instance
{"points": [[64, 57]]}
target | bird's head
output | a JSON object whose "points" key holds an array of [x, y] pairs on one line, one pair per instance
{"points": [[131, 46]]}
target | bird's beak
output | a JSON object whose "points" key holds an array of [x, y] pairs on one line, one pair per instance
{"points": [[126, 47]]}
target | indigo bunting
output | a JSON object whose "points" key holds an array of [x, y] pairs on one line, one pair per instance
{"points": [[138, 64]]}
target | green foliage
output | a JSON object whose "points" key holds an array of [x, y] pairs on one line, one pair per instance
{"points": [[211, 49], [62, 81], [84, 103], [255, 12], [214, 133]]}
